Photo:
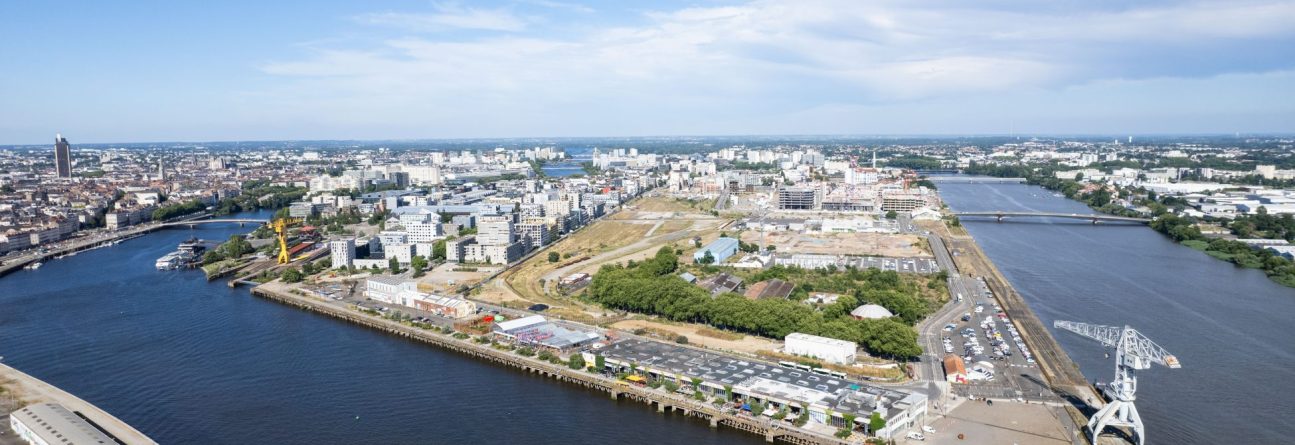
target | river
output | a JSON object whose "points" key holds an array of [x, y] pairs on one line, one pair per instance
{"points": [[1230, 327], [186, 361]]}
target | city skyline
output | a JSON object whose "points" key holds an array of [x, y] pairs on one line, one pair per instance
{"points": [[442, 70]]}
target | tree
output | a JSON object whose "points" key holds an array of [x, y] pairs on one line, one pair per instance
{"points": [[876, 423], [600, 362], [438, 250], [554, 257], [728, 392], [394, 265], [576, 361], [849, 420], [707, 258], [292, 275], [890, 214]]}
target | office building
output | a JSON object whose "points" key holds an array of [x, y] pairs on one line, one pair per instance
{"points": [[799, 198], [62, 157], [495, 230]]}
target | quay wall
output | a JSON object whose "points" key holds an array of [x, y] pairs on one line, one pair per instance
{"points": [[772, 431]]}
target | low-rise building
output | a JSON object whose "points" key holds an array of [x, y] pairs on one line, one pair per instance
{"points": [[53, 424], [828, 349], [719, 250]]}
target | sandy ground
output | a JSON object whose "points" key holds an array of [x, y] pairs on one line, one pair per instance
{"points": [[878, 244], [1002, 423], [444, 279], [748, 344]]}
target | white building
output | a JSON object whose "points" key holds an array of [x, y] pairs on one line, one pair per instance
{"points": [[52, 424], [342, 252], [390, 290], [828, 349]]}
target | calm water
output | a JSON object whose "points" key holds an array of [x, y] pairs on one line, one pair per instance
{"points": [[186, 362], [561, 169], [1230, 327]]}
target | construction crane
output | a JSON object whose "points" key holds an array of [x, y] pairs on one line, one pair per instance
{"points": [[280, 226], [1133, 351]]}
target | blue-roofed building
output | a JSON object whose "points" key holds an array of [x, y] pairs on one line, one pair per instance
{"points": [[719, 249]]}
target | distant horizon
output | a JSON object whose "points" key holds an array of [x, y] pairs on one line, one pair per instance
{"points": [[822, 136]]}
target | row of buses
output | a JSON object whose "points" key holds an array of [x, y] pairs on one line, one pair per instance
{"points": [[807, 368]]}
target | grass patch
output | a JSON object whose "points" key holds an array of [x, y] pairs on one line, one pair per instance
{"points": [[722, 335], [1196, 244]]}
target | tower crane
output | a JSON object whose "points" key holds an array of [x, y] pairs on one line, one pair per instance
{"points": [[1133, 351], [280, 226]]}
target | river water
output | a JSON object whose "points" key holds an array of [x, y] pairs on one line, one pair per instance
{"points": [[189, 362], [1230, 327]]}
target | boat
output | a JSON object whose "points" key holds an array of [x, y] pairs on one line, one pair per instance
{"points": [[34, 266], [169, 261]]}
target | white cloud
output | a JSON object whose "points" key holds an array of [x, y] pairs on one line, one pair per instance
{"points": [[732, 63], [448, 16]]}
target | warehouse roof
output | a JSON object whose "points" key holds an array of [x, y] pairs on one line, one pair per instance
{"points": [[57, 425]]}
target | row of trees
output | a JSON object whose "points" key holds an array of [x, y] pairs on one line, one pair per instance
{"points": [[173, 210], [237, 246], [651, 287]]}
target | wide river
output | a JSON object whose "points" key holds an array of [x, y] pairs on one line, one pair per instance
{"points": [[1230, 327], [191, 362]]}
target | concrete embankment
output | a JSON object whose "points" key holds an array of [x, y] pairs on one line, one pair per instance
{"points": [[771, 430], [30, 390]]}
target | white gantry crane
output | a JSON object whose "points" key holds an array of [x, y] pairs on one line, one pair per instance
{"points": [[1132, 351]]}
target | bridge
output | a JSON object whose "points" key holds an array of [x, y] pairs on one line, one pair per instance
{"points": [[974, 180], [1000, 215], [191, 223]]}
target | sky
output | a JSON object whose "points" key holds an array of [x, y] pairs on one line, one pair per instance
{"points": [[144, 71]]}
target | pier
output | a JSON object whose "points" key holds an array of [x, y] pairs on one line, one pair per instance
{"points": [[772, 431]]}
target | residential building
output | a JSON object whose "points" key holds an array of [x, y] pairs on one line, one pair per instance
{"points": [[342, 253]]}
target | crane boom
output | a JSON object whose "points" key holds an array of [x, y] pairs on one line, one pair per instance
{"points": [[1133, 351], [1134, 345]]}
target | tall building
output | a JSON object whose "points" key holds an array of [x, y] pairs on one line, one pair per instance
{"points": [[495, 230], [343, 253], [62, 157]]}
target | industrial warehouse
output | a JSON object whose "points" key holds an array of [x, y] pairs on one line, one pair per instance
{"points": [[827, 398]]}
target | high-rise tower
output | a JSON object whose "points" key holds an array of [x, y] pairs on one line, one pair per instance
{"points": [[62, 157]]}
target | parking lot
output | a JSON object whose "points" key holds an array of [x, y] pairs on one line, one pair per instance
{"points": [[909, 265], [999, 364]]}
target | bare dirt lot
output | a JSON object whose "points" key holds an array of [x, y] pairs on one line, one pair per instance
{"points": [[745, 344], [877, 244]]}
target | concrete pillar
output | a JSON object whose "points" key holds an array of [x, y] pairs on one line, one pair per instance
{"points": [[714, 422], [768, 437], [660, 407], [614, 395]]}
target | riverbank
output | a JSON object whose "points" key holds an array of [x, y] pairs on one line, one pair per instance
{"points": [[664, 402], [1185, 230], [25, 390]]}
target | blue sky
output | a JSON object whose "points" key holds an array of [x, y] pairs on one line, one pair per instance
{"points": [[254, 70]]}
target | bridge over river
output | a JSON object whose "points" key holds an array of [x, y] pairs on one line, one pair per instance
{"points": [[1000, 215]]}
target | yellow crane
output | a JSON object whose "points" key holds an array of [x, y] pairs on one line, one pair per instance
{"points": [[280, 226]]}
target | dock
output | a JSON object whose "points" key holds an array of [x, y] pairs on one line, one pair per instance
{"points": [[772, 431], [32, 390]]}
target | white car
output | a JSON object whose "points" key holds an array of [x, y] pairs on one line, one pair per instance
{"points": [[916, 435], [927, 429]]}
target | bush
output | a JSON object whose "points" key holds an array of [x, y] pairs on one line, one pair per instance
{"points": [[683, 340]]}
